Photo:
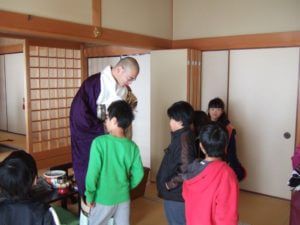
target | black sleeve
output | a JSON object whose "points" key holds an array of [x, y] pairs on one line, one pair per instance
{"points": [[186, 154], [48, 218]]}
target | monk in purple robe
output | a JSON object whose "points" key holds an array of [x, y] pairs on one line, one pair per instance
{"points": [[88, 110]]}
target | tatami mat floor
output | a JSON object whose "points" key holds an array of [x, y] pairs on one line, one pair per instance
{"points": [[254, 209]]}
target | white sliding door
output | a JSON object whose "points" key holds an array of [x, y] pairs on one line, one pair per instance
{"points": [[168, 85], [15, 77], [141, 123], [262, 106], [3, 115], [214, 77]]}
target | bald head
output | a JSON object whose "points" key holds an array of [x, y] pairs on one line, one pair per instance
{"points": [[129, 64], [126, 71]]}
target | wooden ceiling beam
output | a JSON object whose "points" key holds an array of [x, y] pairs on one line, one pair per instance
{"points": [[40, 27], [268, 40]]}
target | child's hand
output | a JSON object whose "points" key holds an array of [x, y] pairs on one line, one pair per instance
{"points": [[90, 204], [167, 187]]}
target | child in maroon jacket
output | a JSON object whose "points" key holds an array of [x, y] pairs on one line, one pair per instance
{"points": [[210, 189]]}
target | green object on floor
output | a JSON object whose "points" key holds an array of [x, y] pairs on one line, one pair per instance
{"points": [[65, 216]]}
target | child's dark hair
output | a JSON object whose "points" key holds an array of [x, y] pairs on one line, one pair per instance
{"points": [[181, 111], [200, 119], [122, 111], [17, 175], [27, 159], [216, 103], [214, 139]]}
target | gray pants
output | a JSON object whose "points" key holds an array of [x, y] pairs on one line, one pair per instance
{"points": [[101, 214]]}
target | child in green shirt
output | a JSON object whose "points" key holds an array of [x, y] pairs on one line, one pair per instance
{"points": [[114, 168]]}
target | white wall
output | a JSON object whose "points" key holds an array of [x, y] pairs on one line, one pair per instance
{"points": [[146, 17], [141, 88], [77, 11], [210, 18]]}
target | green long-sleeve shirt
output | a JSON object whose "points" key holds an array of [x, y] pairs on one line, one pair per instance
{"points": [[114, 168]]}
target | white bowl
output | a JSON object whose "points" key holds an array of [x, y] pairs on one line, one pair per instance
{"points": [[52, 176]]}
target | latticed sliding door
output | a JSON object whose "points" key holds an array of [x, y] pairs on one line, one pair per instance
{"points": [[194, 78], [53, 78]]}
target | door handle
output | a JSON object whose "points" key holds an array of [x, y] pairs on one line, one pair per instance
{"points": [[286, 135], [23, 105]]}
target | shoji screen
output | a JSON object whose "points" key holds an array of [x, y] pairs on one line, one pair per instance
{"points": [[53, 78]]}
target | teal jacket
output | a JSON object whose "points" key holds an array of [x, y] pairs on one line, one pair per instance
{"points": [[114, 168]]}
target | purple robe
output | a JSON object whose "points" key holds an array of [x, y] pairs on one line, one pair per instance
{"points": [[84, 127], [295, 208]]}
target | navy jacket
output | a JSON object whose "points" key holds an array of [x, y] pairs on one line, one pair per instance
{"points": [[24, 213]]}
